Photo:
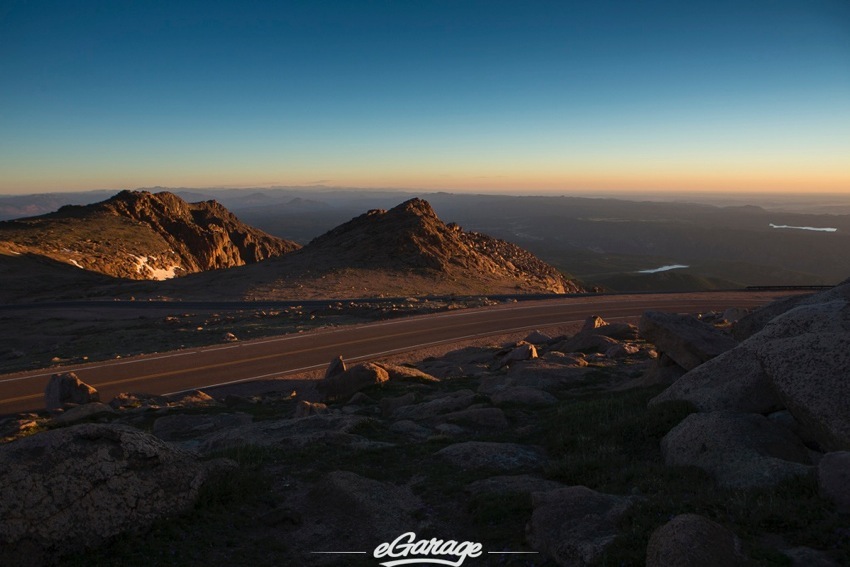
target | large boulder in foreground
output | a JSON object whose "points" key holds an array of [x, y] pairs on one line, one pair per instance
{"points": [[574, 525], [690, 540], [72, 488], [734, 381], [685, 339], [806, 354], [740, 450], [67, 388]]}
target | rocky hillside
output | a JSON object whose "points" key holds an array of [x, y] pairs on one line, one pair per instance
{"points": [[406, 250], [143, 236]]}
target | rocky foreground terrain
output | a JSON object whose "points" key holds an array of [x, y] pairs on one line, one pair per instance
{"points": [[681, 441], [139, 235]]}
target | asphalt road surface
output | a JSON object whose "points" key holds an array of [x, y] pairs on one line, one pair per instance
{"points": [[287, 355]]}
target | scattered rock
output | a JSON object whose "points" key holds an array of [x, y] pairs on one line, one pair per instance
{"points": [[444, 403], [690, 540], [341, 386], [410, 428], [305, 409], [129, 400], [502, 457], [586, 342], [537, 338], [67, 388], [390, 404], [74, 487], [82, 412], [686, 340], [229, 338], [374, 511], [734, 314], [337, 366], [523, 351], [591, 323], [399, 373], [834, 479], [740, 450], [193, 399], [574, 525], [186, 427], [622, 350]]}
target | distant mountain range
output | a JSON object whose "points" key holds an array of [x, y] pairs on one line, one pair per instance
{"points": [[407, 250]]}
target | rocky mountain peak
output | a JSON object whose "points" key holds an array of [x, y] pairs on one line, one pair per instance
{"points": [[143, 235], [412, 237]]}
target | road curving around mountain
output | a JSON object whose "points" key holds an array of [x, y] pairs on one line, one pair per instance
{"points": [[288, 355]]}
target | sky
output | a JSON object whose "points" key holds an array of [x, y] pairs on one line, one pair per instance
{"points": [[487, 96]]}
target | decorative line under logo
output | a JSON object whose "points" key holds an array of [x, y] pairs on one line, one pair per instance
{"points": [[406, 550]]}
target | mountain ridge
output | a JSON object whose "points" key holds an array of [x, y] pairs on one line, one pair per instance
{"points": [[141, 235]]}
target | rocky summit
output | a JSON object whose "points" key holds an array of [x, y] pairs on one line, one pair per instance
{"points": [[142, 236], [406, 250]]}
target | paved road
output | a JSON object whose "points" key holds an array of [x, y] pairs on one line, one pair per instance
{"points": [[278, 357]]}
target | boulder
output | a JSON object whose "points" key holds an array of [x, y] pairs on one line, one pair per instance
{"points": [[834, 479], [618, 331], [443, 403], [621, 350], [330, 429], [690, 540], [740, 450], [805, 353], [685, 339], [808, 557], [341, 386], [574, 525], [131, 400], [537, 338], [390, 404], [586, 342], [191, 427], [499, 457], [733, 381], [193, 399], [337, 366], [66, 388], [360, 512], [398, 373], [79, 413], [305, 409], [523, 351], [591, 323], [74, 487]]}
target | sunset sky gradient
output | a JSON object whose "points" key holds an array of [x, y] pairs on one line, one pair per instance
{"points": [[561, 96]]}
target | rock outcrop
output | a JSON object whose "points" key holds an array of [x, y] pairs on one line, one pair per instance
{"points": [[798, 362], [574, 525], [739, 450], [686, 340], [67, 388], [691, 540], [75, 487]]}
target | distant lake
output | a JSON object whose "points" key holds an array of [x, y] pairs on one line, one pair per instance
{"points": [[816, 229], [663, 269]]}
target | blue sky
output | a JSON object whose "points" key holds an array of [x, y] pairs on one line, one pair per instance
{"points": [[502, 96]]}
